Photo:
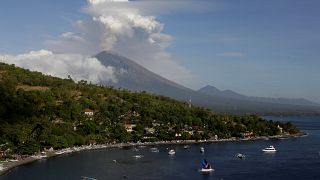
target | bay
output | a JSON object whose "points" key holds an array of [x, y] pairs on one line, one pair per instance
{"points": [[297, 158]]}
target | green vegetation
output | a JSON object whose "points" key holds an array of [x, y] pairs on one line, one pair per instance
{"points": [[38, 111]]}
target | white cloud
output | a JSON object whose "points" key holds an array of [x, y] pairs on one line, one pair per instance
{"points": [[128, 28], [95, 2], [231, 54], [71, 36], [79, 67]]}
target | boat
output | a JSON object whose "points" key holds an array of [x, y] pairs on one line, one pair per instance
{"points": [[206, 167], [202, 149], [172, 152], [240, 156], [269, 149], [88, 178], [155, 150], [186, 147], [138, 156]]}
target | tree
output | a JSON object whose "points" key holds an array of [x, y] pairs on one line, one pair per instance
{"points": [[120, 134], [28, 147]]}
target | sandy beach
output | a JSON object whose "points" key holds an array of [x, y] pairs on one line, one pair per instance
{"points": [[6, 166]]}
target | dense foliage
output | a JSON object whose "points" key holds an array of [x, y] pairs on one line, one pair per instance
{"points": [[38, 111]]}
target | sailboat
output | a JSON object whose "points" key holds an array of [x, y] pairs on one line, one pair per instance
{"points": [[206, 167]]}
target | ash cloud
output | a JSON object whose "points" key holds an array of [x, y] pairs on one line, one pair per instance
{"points": [[126, 28], [79, 67]]}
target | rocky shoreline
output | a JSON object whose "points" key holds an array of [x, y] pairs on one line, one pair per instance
{"points": [[6, 166]]}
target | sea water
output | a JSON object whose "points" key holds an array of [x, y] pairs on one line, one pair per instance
{"points": [[297, 158]]}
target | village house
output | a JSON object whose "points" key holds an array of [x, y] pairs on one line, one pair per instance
{"points": [[280, 129], [191, 132], [247, 135], [92, 142], [149, 130], [155, 124], [171, 129], [136, 114], [88, 113], [129, 127], [215, 137]]}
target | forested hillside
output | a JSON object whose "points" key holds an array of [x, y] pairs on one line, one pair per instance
{"points": [[38, 111]]}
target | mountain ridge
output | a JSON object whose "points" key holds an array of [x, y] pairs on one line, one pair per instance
{"points": [[213, 91], [135, 77]]}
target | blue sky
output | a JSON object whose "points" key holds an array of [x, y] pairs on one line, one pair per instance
{"points": [[259, 48]]}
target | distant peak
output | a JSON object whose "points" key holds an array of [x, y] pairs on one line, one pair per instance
{"points": [[209, 87]]}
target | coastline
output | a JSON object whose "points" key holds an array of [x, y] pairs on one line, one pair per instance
{"points": [[8, 165]]}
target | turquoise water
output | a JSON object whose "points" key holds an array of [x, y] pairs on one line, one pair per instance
{"points": [[297, 158]]}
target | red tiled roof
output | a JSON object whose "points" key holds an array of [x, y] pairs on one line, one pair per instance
{"points": [[87, 110]]}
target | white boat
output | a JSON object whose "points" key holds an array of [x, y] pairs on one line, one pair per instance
{"points": [[206, 170], [269, 149], [206, 167], [88, 178], [240, 156], [171, 152], [137, 156], [186, 147], [155, 150], [202, 149]]}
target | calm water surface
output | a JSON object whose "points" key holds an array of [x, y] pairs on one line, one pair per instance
{"points": [[297, 158]]}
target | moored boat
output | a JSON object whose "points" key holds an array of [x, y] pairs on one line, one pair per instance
{"points": [[202, 149], [154, 150], [206, 167], [138, 156], [172, 152], [206, 170], [88, 178], [269, 149], [240, 156]]}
